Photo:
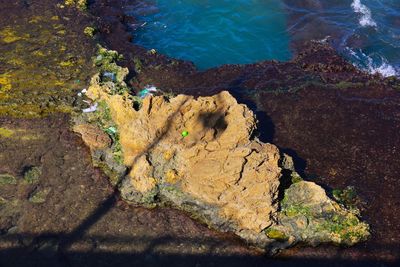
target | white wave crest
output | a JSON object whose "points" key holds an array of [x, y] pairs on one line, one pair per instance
{"points": [[367, 63], [385, 69], [366, 17]]}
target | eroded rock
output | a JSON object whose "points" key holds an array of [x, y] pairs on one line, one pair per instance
{"points": [[308, 214], [218, 172], [93, 136]]}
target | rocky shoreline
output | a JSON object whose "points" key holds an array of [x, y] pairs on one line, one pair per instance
{"points": [[317, 86]]}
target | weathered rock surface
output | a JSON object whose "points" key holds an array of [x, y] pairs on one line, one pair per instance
{"points": [[93, 136], [308, 214], [216, 163], [219, 172]]}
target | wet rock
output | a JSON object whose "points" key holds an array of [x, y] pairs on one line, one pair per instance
{"points": [[7, 179], [308, 214]]}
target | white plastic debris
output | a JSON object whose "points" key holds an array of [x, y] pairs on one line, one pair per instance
{"points": [[84, 90], [92, 108]]}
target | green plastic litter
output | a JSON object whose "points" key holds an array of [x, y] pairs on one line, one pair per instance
{"points": [[111, 130], [185, 133]]}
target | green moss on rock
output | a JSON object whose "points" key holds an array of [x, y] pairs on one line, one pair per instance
{"points": [[309, 215], [276, 234], [346, 196]]}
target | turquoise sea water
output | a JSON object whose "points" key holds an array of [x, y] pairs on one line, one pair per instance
{"points": [[215, 32], [366, 32]]}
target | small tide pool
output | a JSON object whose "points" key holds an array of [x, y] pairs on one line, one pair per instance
{"points": [[215, 32]]}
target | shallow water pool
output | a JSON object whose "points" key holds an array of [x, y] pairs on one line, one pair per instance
{"points": [[215, 32]]}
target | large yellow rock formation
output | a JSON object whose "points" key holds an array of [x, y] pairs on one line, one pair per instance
{"points": [[199, 154], [216, 163]]}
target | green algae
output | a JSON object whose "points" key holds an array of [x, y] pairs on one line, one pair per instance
{"points": [[39, 196], [313, 216], [346, 196], [6, 133], [102, 117], [113, 177], [347, 229], [7, 179], [90, 31], [294, 210], [106, 60], [9, 35], [5, 81], [39, 68], [80, 4], [276, 234], [344, 85], [138, 65], [295, 177], [32, 175]]}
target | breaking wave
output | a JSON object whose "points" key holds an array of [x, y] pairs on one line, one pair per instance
{"points": [[366, 17]]}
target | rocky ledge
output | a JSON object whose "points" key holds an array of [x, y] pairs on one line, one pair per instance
{"points": [[201, 155]]}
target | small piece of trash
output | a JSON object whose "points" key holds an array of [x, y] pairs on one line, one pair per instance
{"points": [[185, 133], [111, 130], [109, 75], [84, 91], [92, 108], [148, 90]]}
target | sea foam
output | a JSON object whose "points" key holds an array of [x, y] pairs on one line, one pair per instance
{"points": [[366, 17], [367, 63], [385, 69]]}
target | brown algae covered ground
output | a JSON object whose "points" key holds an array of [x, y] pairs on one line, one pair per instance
{"points": [[62, 191]]}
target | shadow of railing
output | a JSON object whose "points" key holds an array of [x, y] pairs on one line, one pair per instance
{"points": [[108, 203], [155, 253]]}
